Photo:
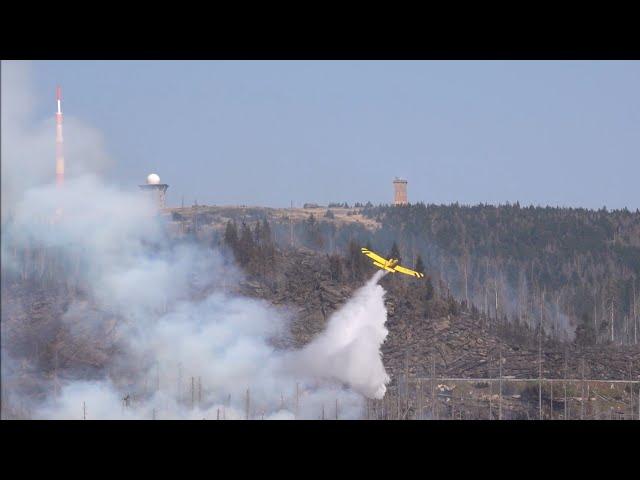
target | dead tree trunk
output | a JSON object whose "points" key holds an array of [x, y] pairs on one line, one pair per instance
{"points": [[611, 320], [565, 385], [500, 395], [540, 356], [248, 405], [434, 409]]}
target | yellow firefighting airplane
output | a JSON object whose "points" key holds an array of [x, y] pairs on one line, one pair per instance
{"points": [[390, 265]]}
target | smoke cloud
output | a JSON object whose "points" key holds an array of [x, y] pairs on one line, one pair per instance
{"points": [[168, 337], [178, 325], [152, 328]]}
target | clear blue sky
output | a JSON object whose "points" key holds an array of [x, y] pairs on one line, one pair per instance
{"points": [[266, 133]]}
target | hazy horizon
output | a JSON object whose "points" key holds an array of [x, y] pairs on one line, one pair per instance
{"points": [[558, 133]]}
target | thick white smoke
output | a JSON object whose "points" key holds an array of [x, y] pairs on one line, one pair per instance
{"points": [[178, 323], [158, 314], [168, 335]]}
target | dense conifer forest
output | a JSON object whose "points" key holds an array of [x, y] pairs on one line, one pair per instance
{"points": [[574, 271]]}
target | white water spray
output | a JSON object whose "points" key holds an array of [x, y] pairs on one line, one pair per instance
{"points": [[349, 349]]}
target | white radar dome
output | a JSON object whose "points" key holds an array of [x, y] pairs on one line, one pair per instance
{"points": [[153, 179]]}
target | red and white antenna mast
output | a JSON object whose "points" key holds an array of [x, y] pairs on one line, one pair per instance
{"points": [[59, 142]]}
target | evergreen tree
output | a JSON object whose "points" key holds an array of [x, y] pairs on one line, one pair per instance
{"points": [[257, 233], [356, 261], [395, 252], [335, 267], [246, 245], [266, 232], [585, 332], [313, 232], [231, 234]]}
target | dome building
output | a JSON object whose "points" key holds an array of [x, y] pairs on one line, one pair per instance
{"points": [[155, 190]]}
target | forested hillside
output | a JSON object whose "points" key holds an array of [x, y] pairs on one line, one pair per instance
{"points": [[575, 271], [431, 332]]}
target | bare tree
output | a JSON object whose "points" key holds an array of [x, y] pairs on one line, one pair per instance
{"points": [[247, 404], [540, 355], [500, 396]]}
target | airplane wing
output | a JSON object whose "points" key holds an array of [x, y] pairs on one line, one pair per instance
{"points": [[374, 256], [407, 271]]}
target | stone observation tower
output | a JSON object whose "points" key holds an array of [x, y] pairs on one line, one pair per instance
{"points": [[400, 192], [155, 189]]}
